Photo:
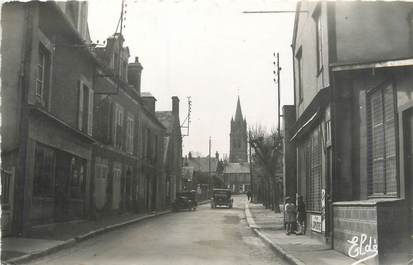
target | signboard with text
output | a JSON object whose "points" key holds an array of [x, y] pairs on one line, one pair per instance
{"points": [[316, 223]]}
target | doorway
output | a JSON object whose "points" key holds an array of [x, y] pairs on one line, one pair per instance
{"points": [[408, 168]]}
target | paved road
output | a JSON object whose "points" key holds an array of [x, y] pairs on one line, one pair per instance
{"points": [[206, 236]]}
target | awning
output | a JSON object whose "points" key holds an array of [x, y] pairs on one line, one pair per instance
{"points": [[310, 115]]}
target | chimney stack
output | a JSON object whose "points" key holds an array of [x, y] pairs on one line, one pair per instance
{"points": [[134, 75], [148, 101], [217, 155], [175, 106]]}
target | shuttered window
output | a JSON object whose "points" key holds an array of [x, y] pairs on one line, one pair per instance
{"points": [[382, 159], [313, 171]]}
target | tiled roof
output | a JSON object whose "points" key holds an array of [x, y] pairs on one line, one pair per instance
{"points": [[243, 167], [201, 164]]}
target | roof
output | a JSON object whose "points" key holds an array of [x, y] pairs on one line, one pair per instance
{"points": [[166, 118], [231, 168], [201, 164]]}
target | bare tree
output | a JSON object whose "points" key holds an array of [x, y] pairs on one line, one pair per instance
{"points": [[267, 161]]}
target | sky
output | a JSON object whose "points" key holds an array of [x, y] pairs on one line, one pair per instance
{"points": [[209, 51]]}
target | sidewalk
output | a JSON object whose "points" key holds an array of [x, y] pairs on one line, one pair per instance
{"points": [[295, 249], [46, 239]]}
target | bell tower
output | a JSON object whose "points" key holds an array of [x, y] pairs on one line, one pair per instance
{"points": [[238, 137]]}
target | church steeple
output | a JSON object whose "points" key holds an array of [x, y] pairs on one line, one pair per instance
{"points": [[238, 137], [238, 112]]}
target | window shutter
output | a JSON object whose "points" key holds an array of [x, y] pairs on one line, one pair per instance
{"points": [[80, 109]]}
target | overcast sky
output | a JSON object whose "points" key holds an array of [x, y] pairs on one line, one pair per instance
{"points": [[208, 50]]}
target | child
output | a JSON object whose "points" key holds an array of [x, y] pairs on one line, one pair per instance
{"points": [[291, 212]]}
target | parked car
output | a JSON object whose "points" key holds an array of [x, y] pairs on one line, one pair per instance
{"points": [[221, 197], [185, 200]]}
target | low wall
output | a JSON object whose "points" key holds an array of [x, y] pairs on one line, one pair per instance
{"points": [[361, 227]]}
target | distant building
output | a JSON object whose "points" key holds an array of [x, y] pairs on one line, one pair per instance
{"points": [[172, 150], [237, 171]]}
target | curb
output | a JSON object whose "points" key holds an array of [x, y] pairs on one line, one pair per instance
{"points": [[279, 250], [71, 242]]}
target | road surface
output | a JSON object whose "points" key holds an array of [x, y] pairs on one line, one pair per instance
{"points": [[205, 236]]}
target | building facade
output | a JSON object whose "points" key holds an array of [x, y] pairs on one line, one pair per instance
{"points": [[353, 122], [79, 140], [46, 139], [172, 156]]}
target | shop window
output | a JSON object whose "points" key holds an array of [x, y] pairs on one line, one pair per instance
{"points": [[382, 160], [312, 171], [44, 167]]}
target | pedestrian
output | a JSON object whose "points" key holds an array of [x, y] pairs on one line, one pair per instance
{"points": [[290, 211], [301, 216], [249, 195]]}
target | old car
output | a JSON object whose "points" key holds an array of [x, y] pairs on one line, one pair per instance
{"points": [[221, 197], [185, 200]]}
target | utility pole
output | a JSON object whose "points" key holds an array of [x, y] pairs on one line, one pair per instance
{"points": [[251, 181], [277, 71], [209, 165]]}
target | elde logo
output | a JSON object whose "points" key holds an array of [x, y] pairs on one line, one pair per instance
{"points": [[359, 246]]}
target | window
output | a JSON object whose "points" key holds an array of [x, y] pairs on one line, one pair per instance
{"points": [[90, 112], [382, 170], [42, 74], [300, 74], [43, 183], [85, 108], [130, 123], [118, 126], [319, 38]]}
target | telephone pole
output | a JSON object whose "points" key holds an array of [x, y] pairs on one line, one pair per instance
{"points": [[209, 165]]}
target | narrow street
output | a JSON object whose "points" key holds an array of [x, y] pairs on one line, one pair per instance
{"points": [[204, 236]]}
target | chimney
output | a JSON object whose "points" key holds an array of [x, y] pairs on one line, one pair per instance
{"points": [[134, 75], [148, 101], [217, 155], [190, 155], [175, 106]]}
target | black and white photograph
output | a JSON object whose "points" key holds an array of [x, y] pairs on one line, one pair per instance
{"points": [[211, 132]]}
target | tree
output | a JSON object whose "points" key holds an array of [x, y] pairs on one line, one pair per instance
{"points": [[267, 162]]}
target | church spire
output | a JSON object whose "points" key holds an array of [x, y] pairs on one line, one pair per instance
{"points": [[238, 112]]}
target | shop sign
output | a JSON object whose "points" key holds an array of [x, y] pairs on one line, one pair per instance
{"points": [[316, 223]]}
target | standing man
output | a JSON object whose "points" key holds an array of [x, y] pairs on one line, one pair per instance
{"points": [[249, 195]]}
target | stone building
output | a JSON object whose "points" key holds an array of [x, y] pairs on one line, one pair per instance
{"points": [[46, 129], [79, 140], [353, 132], [172, 156]]}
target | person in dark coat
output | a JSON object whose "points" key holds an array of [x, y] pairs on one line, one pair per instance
{"points": [[249, 195], [301, 216]]}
